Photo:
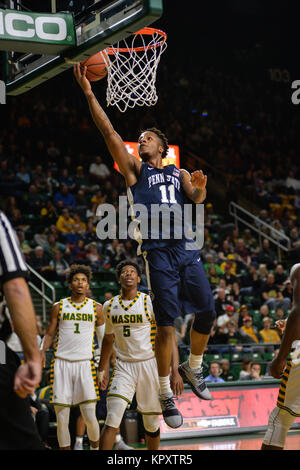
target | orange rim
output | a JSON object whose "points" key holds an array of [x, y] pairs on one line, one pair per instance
{"points": [[144, 32]]}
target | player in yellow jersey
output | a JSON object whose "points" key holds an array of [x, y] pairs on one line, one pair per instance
{"points": [[288, 402], [130, 327], [75, 320]]}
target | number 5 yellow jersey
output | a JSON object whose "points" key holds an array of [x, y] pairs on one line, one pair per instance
{"points": [[132, 322]]}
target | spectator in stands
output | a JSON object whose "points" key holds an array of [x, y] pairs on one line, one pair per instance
{"points": [[213, 277], [227, 275], [23, 175], [39, 261], [90, 234], [78, 252], [98, 198], [264, 311], [48, 214], [279, 314], [107, 296], [272, 296], [60, 266], [235, 295], [51, 183], [24, 244], [52, 246], [255, 371], [280, 276], [245, 367], [73, 237], [33, 200], [66, 179], [209, 262], [98, 171], [81, 181], [114, 253], [64, 198], [221, 300], [226, 374], [214, 373], [243, 312], [232, 269], [248, 332], [241, 249], [233, 338], [266, 255], [65, 223], [268, 334], [263, 272], [209, 251], [93, 256], [287, 291], [229, 315], [295, 241]]}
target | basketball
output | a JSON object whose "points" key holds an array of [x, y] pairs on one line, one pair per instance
{"points": [[96, 68]]}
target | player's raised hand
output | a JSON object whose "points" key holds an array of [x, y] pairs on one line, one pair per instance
{"points": [[198, 179], [280, 325], [80, 75]]}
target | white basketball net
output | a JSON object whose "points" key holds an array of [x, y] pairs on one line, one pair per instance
{"points": [[131, 69]]}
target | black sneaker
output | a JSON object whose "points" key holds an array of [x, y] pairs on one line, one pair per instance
{"points": [[171, 415], [194, 377]]}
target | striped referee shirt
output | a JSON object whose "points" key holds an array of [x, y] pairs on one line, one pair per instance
{"points": [[12, 264]]}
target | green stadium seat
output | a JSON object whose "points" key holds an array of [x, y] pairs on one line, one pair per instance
{"points": [[236, 369], [60, 290], [236, 357], [268, 356], [212, 357]]}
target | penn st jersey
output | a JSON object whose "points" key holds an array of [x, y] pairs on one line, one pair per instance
{"points": [[161, 218]]}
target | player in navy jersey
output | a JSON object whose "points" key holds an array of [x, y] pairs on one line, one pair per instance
{"points": [[176, 275]]}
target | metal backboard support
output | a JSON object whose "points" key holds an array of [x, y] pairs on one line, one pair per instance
{"points": [[102, 24]]}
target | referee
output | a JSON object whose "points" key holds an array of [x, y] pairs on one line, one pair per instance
{"points": [[17, 428]]}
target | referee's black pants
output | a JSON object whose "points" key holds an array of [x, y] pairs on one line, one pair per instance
{"points": [[17, 428]]}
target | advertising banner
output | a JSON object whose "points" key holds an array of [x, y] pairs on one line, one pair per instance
{"points": [[232, 410]]}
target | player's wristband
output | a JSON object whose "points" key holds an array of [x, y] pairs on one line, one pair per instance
{"points": [[101, 375]]}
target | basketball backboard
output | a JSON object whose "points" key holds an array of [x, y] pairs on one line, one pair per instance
{"points": [[98, 25]]}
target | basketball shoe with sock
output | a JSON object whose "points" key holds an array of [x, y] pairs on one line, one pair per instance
{"points": [[194, 377]]}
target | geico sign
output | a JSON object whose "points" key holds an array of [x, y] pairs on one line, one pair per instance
{"points": [[10, 24]]}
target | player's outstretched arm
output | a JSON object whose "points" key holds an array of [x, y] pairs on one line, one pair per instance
{"points": [[194, 185], [129, 165], [292, 328], [50, 332]]}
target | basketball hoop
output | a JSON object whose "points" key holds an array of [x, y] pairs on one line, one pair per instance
{"points": [[132, 66]]}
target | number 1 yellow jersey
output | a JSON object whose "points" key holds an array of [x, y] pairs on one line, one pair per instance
{"points": [[75, 332]]}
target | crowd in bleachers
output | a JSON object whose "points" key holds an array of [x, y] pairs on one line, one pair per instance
{"points": [[55, 170]]}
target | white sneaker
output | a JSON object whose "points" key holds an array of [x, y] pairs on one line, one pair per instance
{"points": [[78, 446], [122, 446]]}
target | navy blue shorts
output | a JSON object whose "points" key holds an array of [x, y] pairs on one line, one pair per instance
{"points": [[179, 283]]}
